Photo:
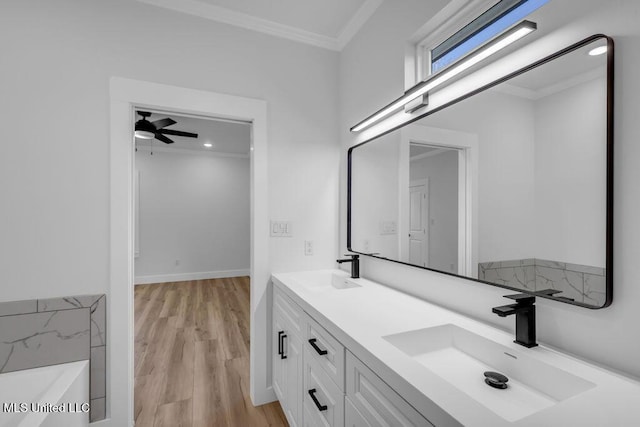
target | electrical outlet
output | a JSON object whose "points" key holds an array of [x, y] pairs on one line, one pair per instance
{"points": [[308, 247]]}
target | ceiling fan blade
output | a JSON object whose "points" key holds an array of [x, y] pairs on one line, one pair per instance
{"points": [[163, 138], [159, 124], [178, 133]]}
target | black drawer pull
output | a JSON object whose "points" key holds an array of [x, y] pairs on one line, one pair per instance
{"points": [[281, 337], [320, 351], [320, 407]]}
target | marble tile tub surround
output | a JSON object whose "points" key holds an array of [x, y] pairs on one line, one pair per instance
{"points": [[43, 332], [583, 283]]}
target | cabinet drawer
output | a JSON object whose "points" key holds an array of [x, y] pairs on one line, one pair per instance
{"points": [[289, 310], [353, 417], [378, 404], [326, 350], [323, 400]]}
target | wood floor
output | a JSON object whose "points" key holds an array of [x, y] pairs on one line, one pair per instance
{"points": [[192, 356]]}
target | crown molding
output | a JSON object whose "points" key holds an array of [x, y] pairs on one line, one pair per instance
{"points": [[557, 87], [357, 21], [243, 20]]}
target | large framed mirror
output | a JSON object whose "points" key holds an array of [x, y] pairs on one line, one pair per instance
{"points": [[510, 185]]}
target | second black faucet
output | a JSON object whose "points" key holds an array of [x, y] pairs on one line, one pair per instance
{"points": [[355, 264], [525, 312]]}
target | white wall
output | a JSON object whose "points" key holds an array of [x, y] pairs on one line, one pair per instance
{"points": [[570, 219], [365, 88], [55, 78], [194, 209], [57, 59], [375, 195], [442, 172]]}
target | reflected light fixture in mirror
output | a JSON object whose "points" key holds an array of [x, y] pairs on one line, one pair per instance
{"points": [[510, 36]]}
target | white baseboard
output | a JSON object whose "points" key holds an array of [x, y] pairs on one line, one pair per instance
{"points": [[107, 422], [183, 277]]}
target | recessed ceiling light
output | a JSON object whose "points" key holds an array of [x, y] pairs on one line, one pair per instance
{"points": [[598, 51], [208, 145]]}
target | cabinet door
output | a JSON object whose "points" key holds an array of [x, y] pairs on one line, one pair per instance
{"points": [[378, 403], [290, 311], [279, 381], [287, 358], [353, 417], [293, 368]]}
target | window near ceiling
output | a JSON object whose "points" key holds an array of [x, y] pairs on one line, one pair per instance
{"points": [[485, 27]]}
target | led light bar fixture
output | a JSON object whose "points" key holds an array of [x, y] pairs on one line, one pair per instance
{"points": [[515, 33]]}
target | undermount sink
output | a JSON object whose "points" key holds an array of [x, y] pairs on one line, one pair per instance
{"points": [[341, 282], [320, 282], [461, 357]]}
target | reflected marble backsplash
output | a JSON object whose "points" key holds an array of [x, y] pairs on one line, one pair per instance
{"points": [[582, 283], [43, 332]]}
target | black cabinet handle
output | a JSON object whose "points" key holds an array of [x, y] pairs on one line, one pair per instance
{"points": [[281, 337], [320, 407], [320, 351], [280, 342]]}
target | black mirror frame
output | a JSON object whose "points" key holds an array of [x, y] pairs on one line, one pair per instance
{"points": [[609, 172]]}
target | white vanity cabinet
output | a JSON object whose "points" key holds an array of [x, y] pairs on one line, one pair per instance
{"points": [[287, 356], [320, 383], [374, 357]]}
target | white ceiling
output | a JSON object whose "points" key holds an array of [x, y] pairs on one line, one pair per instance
{"points": [[328, 23], [226, 137]]}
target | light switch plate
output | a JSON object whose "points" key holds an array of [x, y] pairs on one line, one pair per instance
{"points": [[387, 227], [281, 229]]}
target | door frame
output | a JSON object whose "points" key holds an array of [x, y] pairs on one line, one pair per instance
{"points": [[467, 146], [125, 95]]}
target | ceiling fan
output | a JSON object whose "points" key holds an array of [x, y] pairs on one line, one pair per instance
{"points": [[149, 130]]}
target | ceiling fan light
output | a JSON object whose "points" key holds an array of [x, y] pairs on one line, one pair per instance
{"points": [[145, 129], [144, 134]]}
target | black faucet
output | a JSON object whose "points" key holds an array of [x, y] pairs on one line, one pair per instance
{"points": [[355, 264], [525, 313]]}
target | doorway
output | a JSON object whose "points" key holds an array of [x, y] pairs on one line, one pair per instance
{"points": [[192, 254], [434, 189], [125, 95], [447, 215]]}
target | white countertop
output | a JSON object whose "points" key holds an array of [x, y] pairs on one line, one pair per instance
{"points": [[360, 317]]}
